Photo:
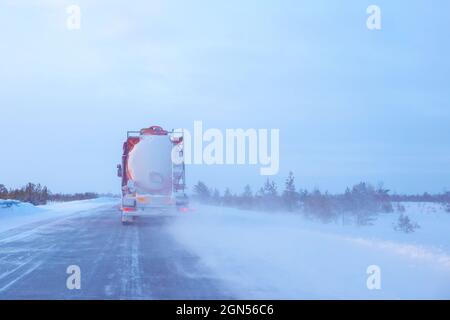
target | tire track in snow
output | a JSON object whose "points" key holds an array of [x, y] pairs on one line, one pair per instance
{"points": [[139, 261], [131, 271], [23, 246], [28, 230], [22, 275], [18, 270]]}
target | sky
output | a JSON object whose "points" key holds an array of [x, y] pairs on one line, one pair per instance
{"points": [[351, 104]]}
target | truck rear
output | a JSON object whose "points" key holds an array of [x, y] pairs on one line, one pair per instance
{"points": [[152, 182]]}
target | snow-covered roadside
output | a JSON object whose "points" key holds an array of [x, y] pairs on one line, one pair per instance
{"points": [[13, 215], [284, 256]]}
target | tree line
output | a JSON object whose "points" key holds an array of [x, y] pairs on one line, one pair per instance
{"points": [[360, 203], [37, 194]]}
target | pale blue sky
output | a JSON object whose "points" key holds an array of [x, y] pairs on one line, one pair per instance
{"points": [[351, 104]]}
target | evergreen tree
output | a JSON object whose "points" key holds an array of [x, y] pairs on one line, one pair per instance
{"points": [[246, 198], [202, 193], [227, 198], [270, 188], [270, 196], [216, 197], [290, 195]]}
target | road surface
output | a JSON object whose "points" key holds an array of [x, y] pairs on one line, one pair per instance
{"points": [[139, 261]]}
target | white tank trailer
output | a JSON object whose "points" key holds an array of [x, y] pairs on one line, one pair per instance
{"points": [[151, 182]]}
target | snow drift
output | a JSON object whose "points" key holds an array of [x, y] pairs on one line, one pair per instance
{"points": [[15, 213]]}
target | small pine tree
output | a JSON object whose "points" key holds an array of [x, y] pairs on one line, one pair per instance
{"points": [[290, 195], [202, 193], [246, 198], [404, 224], [216, 197], [270, 188], [270, 195], [227, 198]]}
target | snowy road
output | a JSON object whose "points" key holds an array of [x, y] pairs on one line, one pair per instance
{"points": [[218, 253], [139, 261]]}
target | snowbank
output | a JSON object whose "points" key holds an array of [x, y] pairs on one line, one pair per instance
{"points": [[13, 213], [284, 256], [10, 207]]}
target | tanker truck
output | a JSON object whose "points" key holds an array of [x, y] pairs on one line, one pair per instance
{"points": [[152, 181]]}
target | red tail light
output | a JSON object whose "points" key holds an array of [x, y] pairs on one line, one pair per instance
{"points": [[128, 209]]}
